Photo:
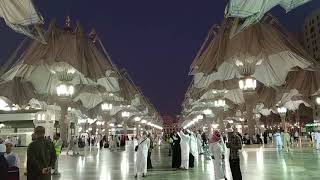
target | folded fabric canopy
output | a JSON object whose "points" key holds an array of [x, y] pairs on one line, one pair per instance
{"points": [[252, 11], [19, 14]]}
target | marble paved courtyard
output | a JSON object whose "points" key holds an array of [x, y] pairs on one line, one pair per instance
{"points": [[257, 163]]}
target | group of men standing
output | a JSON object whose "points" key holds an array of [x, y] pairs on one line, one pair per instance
{"points": [[186, 146]]}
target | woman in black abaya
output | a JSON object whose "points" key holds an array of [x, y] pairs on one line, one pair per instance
{"points": [[176, 151]]}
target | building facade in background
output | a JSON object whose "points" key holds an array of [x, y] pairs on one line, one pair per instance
{"points": [[311, 34], [170, 124]]}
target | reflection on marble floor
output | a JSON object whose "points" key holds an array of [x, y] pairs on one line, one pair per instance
{"points": [[257, 163]]}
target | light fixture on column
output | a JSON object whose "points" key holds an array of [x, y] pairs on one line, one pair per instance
{"points": [[207, 112], [143, 121], [125, 114], [318, 100], [247, 83], [106, 106], [200, 117], [219, 103], [137, 119], [282, 110], [65, 89]]}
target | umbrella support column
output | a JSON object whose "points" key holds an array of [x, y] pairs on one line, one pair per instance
{"points": [[64, 124], [283, 122], [250, 99], [221, 123], [137, 130]]}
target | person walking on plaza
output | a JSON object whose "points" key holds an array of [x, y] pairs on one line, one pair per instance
{"points": [[216, 150], [199, 143], [185, 150], [265, 137], [286, 140], [57, 142], [4, 166], [142, 155], [235, 145], [193, 149], [41, 157], [296, 136], [149, 163], [317, 139], [13, 161], [75, 146], [278, 139], [71, 145], [176, 151]]}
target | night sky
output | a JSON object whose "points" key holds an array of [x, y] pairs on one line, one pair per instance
{"points": [[155, 41]]}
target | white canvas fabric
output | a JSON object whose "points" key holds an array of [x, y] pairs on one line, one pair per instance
{"points": [[19, 14], [253, 11]]}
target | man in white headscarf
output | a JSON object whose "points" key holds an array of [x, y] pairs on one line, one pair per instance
{"points": [[12, 159], [142, 155], [193, 149], [317, 139], [185, 150], [278, 139], [216, 149], [199, 143]]}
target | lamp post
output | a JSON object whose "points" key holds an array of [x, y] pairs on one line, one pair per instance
{"points": [[248, 86], [282, 111]]}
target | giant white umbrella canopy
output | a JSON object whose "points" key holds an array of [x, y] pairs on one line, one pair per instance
{"points": [[262, 51], [18, 92], [252, 11], [69, 54]]}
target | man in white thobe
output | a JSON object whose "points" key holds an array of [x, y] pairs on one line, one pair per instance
{"points": [[193, 148], [317, 139], [199, 143], [185, 150], [217, 151], [278, 138], [142, 155]]}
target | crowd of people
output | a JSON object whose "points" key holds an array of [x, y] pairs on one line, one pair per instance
{"points": [[43, 153], [187, 146]]}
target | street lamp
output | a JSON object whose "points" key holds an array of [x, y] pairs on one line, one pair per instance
{"points": [[248, 83]]}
